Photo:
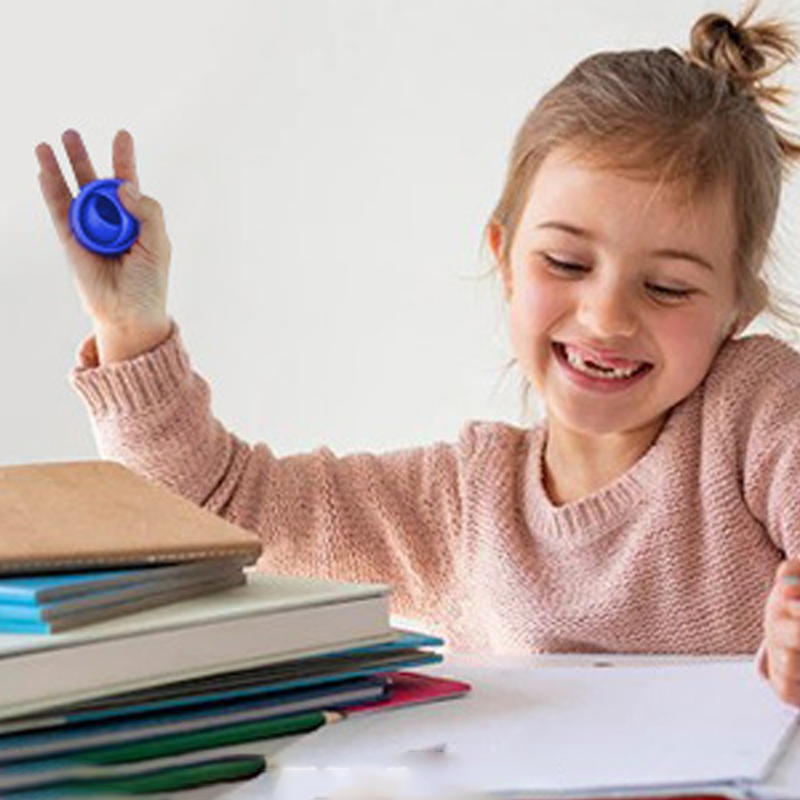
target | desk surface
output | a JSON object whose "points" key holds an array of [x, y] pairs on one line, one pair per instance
{"points": [[785, 784]]}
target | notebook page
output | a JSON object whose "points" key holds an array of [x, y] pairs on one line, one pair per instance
{"points": [[559, 729]]}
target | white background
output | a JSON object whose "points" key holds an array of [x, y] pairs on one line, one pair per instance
{"points": [[327, 167]]}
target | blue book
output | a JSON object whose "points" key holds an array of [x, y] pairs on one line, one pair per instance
{"points": [[33, 590], [55, 619], [106, 601], [76, 738]]}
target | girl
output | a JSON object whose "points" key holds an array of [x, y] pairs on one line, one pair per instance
{"points": [[655, 508]]}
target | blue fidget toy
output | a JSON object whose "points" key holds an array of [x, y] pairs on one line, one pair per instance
{"points": [[100, 222]]}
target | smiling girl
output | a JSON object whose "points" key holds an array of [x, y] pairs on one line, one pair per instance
{"points": [[655, 508], [615, 317]]}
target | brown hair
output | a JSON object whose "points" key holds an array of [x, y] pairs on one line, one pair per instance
{"points": [[701, 118]]}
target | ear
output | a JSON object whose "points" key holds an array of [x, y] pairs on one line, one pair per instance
{"points": [[496, 237]]}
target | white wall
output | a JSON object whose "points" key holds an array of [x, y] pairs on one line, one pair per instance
{"points": [[326, 169]]}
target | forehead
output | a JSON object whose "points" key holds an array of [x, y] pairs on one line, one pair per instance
{"points": [[634, 206]]}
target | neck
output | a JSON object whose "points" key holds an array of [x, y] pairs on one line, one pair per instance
{"points": [[577, 464]]}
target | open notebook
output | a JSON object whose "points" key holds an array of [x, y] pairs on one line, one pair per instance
{"points": [[565, 732]]}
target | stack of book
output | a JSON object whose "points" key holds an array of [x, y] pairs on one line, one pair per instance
{"points": [[160, 648]]}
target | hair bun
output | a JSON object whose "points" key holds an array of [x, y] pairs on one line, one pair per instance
{"points": [[732, 48], [747, 53]]}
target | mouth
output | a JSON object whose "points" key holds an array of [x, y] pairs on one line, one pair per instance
{"points": [[596, 371]]}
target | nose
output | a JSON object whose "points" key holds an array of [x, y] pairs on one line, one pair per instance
{"points": [[607, 311]]}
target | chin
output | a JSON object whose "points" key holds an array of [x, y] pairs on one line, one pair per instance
{"points": [[596, 423]]}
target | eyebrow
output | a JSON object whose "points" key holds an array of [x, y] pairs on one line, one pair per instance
{"points": [[663, 252]]}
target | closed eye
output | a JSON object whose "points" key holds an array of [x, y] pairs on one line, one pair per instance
{"points": [[668, 292], [565, 267]]}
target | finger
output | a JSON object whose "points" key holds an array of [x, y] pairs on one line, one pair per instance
{"points": [[55, 191], [152, 235], [78, 157], [788, 578], [786, 686], [125, 158], [784, 673], [784, 631], [784, 660], [790, 608]]}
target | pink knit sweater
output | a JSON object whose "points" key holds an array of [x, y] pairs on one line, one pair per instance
{"points": [[676, 556]]}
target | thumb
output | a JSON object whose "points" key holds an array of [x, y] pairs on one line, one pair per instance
{"points": [[152, 230]]}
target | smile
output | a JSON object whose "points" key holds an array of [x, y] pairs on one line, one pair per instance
{"points": [[603, 373]]}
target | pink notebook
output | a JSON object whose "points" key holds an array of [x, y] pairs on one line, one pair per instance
{"points": [[409, 689]]}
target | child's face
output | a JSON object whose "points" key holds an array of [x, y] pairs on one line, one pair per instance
{"points": [[620, 293]]}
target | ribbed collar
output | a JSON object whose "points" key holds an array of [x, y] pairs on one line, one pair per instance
{"points": [[606, 509]]}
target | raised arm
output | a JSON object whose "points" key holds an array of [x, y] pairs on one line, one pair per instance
{"points": [[393, 518]]}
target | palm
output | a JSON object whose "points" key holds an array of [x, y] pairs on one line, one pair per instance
{"points": [[125, 290], [114, 288]]}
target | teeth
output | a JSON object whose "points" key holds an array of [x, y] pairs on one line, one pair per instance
{"points": [[597, 372]]}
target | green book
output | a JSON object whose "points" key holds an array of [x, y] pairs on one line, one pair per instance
{"points": [[173, 778], [99, 765]]}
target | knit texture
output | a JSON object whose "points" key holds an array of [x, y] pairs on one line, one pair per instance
{"points": [[675, 556]]}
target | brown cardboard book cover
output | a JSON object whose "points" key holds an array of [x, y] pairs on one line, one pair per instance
{"points": [[95, 514]]}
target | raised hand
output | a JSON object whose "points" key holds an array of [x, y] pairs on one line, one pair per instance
{"points": [[125, 296]]}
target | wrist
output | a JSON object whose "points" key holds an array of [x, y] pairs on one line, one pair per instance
{"points": [[122, 343]]}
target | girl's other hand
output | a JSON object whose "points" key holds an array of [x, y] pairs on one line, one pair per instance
{"points": [[782, 630], [126, 296]]}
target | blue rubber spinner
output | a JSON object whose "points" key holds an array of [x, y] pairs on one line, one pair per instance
{"points": [[100, 222]]}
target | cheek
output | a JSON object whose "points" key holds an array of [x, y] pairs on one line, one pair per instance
{"points": [[534, 307], [690, 339]]}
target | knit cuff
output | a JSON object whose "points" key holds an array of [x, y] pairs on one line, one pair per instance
{"points": [[130, 387]]}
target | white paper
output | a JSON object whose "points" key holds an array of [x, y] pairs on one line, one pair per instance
{"points": [[557, 729]]}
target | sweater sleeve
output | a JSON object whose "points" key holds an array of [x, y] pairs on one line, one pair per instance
{"points": [[392, 518], [770, 435], [754, 405]]}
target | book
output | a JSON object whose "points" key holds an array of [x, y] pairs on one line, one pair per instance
{"points": [[48, 588], [271, 619], [49, 758], [85, 515], [404, 653], [57, 773], [88, 754], [77, 738], [170, 774], [404, 689], [98, 606]]}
